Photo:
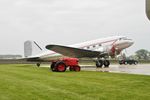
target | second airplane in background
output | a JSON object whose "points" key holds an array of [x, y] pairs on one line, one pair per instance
{"points": [[67, 56]]}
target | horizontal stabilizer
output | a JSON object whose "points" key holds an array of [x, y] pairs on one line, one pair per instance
{"points": [[33, 59]]}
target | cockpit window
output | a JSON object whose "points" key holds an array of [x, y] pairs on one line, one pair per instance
{"points": [[124, 38]]}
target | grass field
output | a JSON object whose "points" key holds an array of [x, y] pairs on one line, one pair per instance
{"points": [[27, 82]]}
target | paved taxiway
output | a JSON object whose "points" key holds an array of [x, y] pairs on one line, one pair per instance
{"points": [[143, 69]]}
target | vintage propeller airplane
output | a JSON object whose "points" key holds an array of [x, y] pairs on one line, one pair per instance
{"points": [[67, 56]]}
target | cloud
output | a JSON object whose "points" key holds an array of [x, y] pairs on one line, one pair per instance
{"points": [[64, 21]]}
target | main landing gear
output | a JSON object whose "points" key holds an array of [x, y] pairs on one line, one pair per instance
{"points": [[100, 63]]}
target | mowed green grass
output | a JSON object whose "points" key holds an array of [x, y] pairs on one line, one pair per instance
{"points": [[27, 82]]}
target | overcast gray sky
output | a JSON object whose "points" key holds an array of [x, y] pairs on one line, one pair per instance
{"points": [[70, 22]]}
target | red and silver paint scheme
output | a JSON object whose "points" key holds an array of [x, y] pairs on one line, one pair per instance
{"points": [[99, 48]]}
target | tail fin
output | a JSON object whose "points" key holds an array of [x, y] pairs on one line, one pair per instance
{"points": [[31, 48]]}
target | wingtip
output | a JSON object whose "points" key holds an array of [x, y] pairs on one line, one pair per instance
{"points": [[49, 46]]}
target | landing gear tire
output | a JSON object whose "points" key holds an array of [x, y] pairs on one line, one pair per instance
{"points": [[99, 64], [60, 67], [38, 64], [106, 63]]}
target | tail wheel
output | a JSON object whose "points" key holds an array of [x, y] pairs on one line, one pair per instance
{"points": [[77, 68], [99, 63], [60, 66], [106, 63], [38, 64]]}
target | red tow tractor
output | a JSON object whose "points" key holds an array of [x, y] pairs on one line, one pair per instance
{"points": [[62, 64]]}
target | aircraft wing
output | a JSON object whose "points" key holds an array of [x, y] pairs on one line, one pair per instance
{"points": [[75, 52]]}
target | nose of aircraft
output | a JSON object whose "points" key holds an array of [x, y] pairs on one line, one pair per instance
{"points": [[131, 42]]}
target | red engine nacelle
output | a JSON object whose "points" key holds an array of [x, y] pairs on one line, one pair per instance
{"points": [[114, 51]]}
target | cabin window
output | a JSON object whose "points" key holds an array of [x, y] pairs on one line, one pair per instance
{"points": [[93, 46]]}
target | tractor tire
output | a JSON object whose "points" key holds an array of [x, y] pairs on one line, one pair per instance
{"points": [[77, 68], [60, 67], [52, 67]]}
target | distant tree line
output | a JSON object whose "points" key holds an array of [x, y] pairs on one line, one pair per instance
{"points": [[10, 56], [141, 54]]}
